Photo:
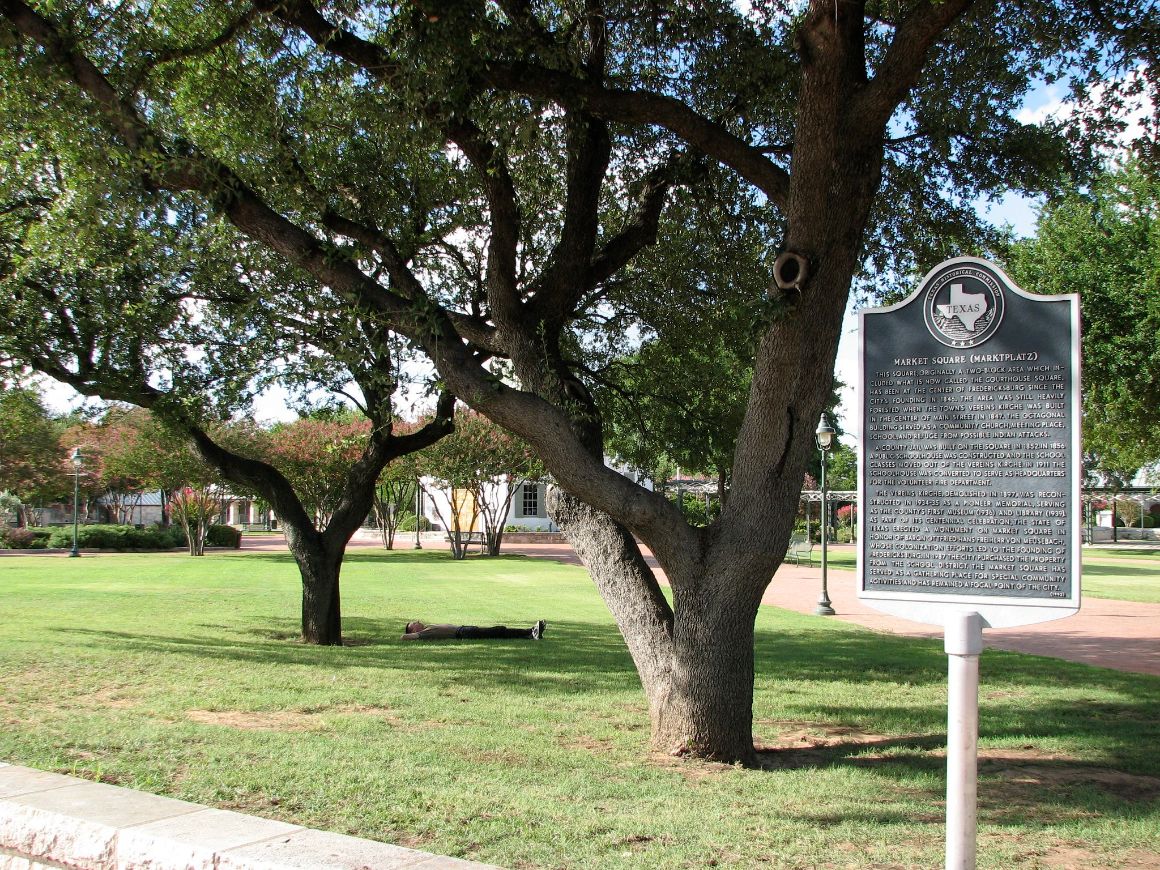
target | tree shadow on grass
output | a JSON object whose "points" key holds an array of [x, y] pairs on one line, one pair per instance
{"points": [[1135, 570], [1120, 713], [386, 557], [577, 657], [1015, 786], [572, 659], [849, 655], [1115, 712]]}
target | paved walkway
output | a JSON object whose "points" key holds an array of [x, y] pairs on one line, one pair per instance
{"points": [[1113, 634], [50, 820]]}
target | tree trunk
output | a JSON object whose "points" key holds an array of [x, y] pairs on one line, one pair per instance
{"points": [[319, 553], [695, 659], [458, 547], [707, 710], [319, 565]]}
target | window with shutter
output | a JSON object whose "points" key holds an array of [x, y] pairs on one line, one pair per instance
{"points": [[530, 501]]}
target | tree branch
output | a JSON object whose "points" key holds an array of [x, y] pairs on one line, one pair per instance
{"points": [[641, 230], [589, 149], [376, 240], [913, 38], [489, 162], [441, 424], [332, 38], [128, 122], [176, 53], [643, 107], [500, 190]]}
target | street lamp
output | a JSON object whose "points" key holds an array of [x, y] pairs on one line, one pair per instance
{"points": [[418, 514], [77, 461], [824, 438]]}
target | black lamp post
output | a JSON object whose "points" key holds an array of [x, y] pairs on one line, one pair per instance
{"points": [[418, 514], [824, 438], [77, 461]]}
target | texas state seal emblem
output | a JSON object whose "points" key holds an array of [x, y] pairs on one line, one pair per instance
{"points": [[963, 307]]}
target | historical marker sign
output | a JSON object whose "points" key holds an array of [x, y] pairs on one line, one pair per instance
{"points": [[970, 464]]}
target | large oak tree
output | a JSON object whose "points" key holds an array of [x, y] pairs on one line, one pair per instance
{"points": [[476, 176]]}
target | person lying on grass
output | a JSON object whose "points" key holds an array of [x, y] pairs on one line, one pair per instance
{"points": [[417, 630]]}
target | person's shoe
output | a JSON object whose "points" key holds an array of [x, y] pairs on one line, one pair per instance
{"points": [[538, 630]]}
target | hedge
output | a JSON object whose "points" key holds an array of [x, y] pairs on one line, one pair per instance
{"points": [[221, 536], [23, 539], [111, 537]]}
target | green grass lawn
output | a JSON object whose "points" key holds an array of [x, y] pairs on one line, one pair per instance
{"points": [[1125, 574], [1149, 553], [1121, 573], [182, 677]]}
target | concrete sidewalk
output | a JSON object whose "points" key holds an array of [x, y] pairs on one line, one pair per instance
{"points": [[51, 820]]}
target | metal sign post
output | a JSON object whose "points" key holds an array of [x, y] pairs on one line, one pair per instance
{"points": [[963, 641], [969, 478]]}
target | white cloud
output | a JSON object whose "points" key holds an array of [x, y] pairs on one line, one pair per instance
{"points": [[1138, 114]]}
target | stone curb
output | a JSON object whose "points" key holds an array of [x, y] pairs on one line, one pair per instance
{"points": [[52, 820]]}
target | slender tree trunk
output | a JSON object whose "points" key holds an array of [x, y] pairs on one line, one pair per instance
{"points": [[495, 541]]}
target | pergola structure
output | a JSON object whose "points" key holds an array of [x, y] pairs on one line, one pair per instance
{"points": [[1141, 496], [810, 496]]}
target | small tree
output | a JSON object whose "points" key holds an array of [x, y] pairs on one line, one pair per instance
{"points": [[481, 467], [395, 496], [315, 453], [195, 508], [30, 451], [118, 456]]}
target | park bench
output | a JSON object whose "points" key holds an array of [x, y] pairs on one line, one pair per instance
{"points": [[469, 538], [800, 548]]}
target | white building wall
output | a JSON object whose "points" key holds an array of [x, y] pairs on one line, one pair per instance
{"points": [[528, 511], [529, 508]]}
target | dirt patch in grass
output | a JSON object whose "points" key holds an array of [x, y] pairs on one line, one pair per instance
{"points": [[800, 744], [595, 745], [691, 769], [111, 697], [420, 841], [1018, 774], [1076, 856], [248, 721], [1073, 858], [796, 734], [291, 720], [1021, 771]]}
